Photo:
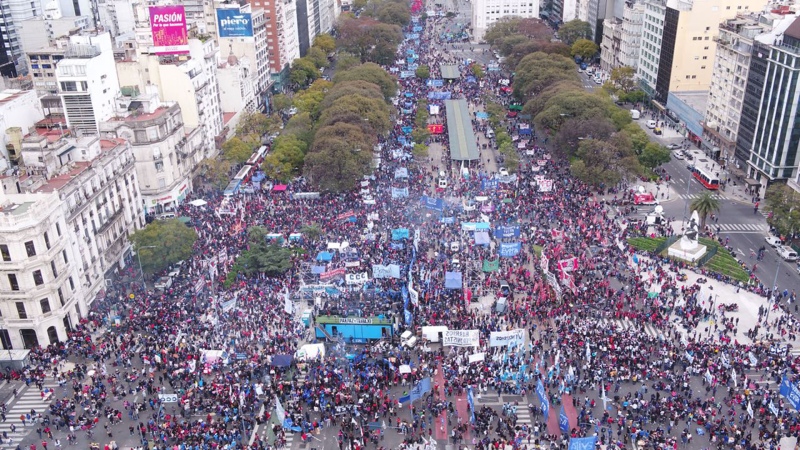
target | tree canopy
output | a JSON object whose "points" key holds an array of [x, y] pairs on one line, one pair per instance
{"points": [[705, 205], [216, 172], [262, 256], [574, 30], [368, 39], [584, 48], [784, 206], [536, 71], [236, 151], [605, 163], [162, 243], [324, 42], [372, 73]]}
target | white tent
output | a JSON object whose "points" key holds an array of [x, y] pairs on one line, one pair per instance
{"points": [[198, 202]]}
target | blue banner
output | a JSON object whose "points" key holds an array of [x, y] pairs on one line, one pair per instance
{"points": [[407, 74], [471, 402], [587, 443], [400, 233], [563, 420], [407, 130], [422, 388], [510, 250], [488, 184], [397, 245], [540, 392], [471, 79], [790, 392], [482, 115], [452, 280], [412, 66], [506, 231], [438, 95], [435, 83], [417, 29], [408, 316], [434, 203], [232, 23], [448, 220], [399, 192]]}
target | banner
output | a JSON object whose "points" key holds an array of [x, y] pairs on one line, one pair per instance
{"points": [[790, 392], [491, 266], [439, 95], [332, 273], [397, 245], [568, 265], [279, 411], [471, 402], [168, 25], [553, 282], [587, 443], [436, 204], [504, 338], [229, 305], [509, 250], [540, 392], [460, 338], [506, 231], [407, 74], [316, 270], [401, 172], [563, 421], [477, 357], [345, 216], [435, 83], [232, 24], [475, 226], [400, 233], [452, 280], [545, 185], [436, 128], [356, 278], [489, 184], [399, 192], [381, 271], [419, 391], [288, 306], [447, 220], [199, 284]]}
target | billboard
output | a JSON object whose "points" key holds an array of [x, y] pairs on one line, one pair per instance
{"points": [[231, 23], [168, 24]]}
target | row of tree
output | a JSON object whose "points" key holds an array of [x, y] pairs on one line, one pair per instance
{"points": [[307, 69]]}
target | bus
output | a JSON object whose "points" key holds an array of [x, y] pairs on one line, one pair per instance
{"points": [[258, 156], [244, 174], [705, 178]]}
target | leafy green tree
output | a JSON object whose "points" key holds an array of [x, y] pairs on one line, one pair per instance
{"points": [[573, 131], [420, 150], [584, 48], [420, 135], [346, 61], [308, 100], [537, 71], [372, 73], [638, 137], [570, 104], [394, 13], [216, 172], [524, 48], [253, 127], [654, 155], [369, 114], [325, 42], [605, 162], [162, 243], [356, 137], [423, 72], [311, 231], [303, 72], [477, 71], [281, 102], [784, 207], [336, 165], [574, 30], [538, 103], [531, 29], [236, 151], [705, 205], [286, 158], [318, 57], [348, 88], [301, 125], [635, 96], [623, 78], [262, 256], [369, 40]]}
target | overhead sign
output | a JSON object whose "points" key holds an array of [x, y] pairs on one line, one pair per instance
{"points": [[168, 25], [503, 338], [460, 338], [231, 23]]}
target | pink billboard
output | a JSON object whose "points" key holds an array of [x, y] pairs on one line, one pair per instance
{"points": [[168, 24]]}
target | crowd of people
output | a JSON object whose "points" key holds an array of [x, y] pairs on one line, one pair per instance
{"points": [[625, 385]]}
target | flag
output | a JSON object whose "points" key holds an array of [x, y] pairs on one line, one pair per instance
{"points": [[587, 443], [563, 420], [422, 388], [471, 401], [540, 392], [491, 266]]}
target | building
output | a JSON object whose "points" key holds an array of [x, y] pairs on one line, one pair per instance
{"points": [[314, 17], [729, 79], [685, 46], [40, 32], [42, 63], [622, 38], [283, 45], [63, 227], [595, 12], [120, 17], [774, 149], [87, 81], [189, 80], [487, 12], [13, 12], [76, 8], [19, 112], [236, 91], [165, 153]]}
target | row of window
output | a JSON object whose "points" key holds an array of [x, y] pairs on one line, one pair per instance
{"points": [[30, 246], [38, 278]]}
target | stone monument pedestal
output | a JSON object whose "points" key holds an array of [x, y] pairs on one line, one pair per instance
{"points": [[687, 250]]}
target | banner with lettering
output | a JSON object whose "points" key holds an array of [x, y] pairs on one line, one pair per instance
{"points": [[389, 271], [491, 266], [506, 231], [510, 250], [504, 338], [399, 192], [332, 274], [401, 172], [460, 338], [545, 185], [356, 278], [489, 184], [436, 204]]}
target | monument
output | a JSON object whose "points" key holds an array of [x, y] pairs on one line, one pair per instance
{"points": [[689, 248]]}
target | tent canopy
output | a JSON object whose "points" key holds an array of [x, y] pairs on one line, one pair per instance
{"points": [[282, 360], [198, 202], [463, 146], [279, 187], [450, 72]]}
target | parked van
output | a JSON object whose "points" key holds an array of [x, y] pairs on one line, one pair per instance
{"points": [[442, 183], [163, 283], [651, 124], [405, 336], [787, 253], [433, 333], [635, 114]]}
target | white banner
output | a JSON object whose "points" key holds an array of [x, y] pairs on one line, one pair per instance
{"points": [[288, 306], [477, 357], [356, 278], [279, 411], [503, 338], [460, 338]]}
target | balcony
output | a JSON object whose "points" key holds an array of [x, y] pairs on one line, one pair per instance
{"points": [[110, 221]]}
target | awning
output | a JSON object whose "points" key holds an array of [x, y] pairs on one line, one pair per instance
{"points": [[198, 202], [751, 182], [279, 187], [659, 105], [67, 150]]}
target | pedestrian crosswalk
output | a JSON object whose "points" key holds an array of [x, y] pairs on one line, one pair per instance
{"points": [[29, 398], [524, 417], [300, 377], [760, 227], [625, 324]]}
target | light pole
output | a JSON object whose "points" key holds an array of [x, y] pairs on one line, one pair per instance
{"points": [[774, 287], [139, 259]]}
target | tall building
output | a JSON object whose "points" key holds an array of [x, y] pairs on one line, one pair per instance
{"points": [[63, 227], [685, 46], [487, 12], [41, 31], [622, 38], [165, 153], [314, 17], [236, 90], [283, 45], [776, 134], [87, 81], [19, 112], [11, 13]]}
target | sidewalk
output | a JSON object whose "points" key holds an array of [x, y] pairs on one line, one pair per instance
{"points": [[730, 191]]}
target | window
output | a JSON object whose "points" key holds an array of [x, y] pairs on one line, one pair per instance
{"points": [[30, 248], [12, 280], [53, 267], [21, 310], [37, 278], [61, 296], [58, 229], [159, 166], [71, 284], [64, 254], [5, 253], [45, 305], [46, 240]]}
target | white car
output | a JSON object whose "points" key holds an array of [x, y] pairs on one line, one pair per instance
{"points": [[773, 241], [674, 146], [787, 253], [503, 172], [679, 155]]}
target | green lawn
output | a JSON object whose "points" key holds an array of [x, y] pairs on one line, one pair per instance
{"points": [[645, 243], [722, 262]]}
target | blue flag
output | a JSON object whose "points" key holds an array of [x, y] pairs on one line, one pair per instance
{"points": [[540, 392], [471, 401], [586, 443], [422, 388], [563, 421]]}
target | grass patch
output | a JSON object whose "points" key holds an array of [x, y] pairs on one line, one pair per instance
{"points": [[724, 263], [645, 243]]}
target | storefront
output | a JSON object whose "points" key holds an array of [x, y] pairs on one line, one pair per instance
{"points": [[169, 201]]}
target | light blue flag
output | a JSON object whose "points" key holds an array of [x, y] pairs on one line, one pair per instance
{"points": [[563, 421]]}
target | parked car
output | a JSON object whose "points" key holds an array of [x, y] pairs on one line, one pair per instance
{"points": [[773, 241], [787, 253], [651, 124], [679, 155], [674, 146], [503, 172]]}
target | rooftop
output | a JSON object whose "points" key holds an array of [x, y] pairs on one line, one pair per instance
{"points": [[59, 181], [227, 116], [141, 117], [17, 209], [794, 29], [9, 95], [697, 100]]}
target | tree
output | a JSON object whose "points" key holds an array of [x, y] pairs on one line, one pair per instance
{"points": [[325, 42], [705, 205], [420, 150], [584, 48], [532, 29], [638, 137], [336, 165], [318, 57], [574, 30], [573, 131], [394, 13], [345, 61], [308, 100], [262, 256], [236, 151], [571, 104], [162, 243], [477, 71], [605, 163], [281, 102], [654, 155], [302, 126], [369, 40], [311, 231], [286, 158], [253, 127], [423, 72], [524, 48], [420, 135], [623, 78], [372, 73], [369, 114], [537, 71], [216, 172], [347, 88], [782, 202], [303, 72]]}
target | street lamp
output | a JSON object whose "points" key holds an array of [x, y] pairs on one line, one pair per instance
{"points": [[138, 258]]}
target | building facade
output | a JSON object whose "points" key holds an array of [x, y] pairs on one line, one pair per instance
{"points": [[283, 45], [650, 49], [487, 12], [19, 112]]}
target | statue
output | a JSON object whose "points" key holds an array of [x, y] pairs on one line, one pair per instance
{"points": [[689, 240]]}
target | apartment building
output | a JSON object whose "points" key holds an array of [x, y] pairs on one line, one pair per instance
{"points": [[253, 49], [42, 31], [487, 12], [622, 38], [19, 112], [283, 45]]}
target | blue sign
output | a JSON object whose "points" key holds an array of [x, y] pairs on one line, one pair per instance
{"points": [[790, 391], [540, 392], [406, 74], [416, 29], [435, 83], [506, 231], [488, 184], [232, 23], [407, 130], [400, 233], [422, 388], [433, 203], [510, 250], [587, 443], [448, 220]]}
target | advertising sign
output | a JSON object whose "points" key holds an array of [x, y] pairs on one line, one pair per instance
{"points": [[168, 24], [231, 24], [460, 338]]}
